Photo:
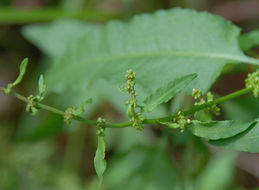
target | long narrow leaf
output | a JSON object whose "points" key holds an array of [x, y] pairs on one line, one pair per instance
{"points": [[166, 92]]}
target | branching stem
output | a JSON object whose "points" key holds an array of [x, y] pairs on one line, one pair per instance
{"points": [[146, 121]]}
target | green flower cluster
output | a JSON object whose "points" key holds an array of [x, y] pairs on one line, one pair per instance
{"points": [[100, 127], [179, 121], [32, 104], [135, 117], [33, 100], [252, 81], [197, 94], [70, 114]]}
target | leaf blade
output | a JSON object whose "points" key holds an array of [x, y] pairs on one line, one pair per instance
{"points": [[245, 141], [248, 40], [166, 92], [170, 48], [99, 159], [22, 70], [218, 129]]}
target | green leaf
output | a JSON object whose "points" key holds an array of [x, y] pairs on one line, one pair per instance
{"points": [[142, 168], [244, 108], [166, 92], [42, 85], [249, 40], [245, 141], [42, 88], [99, 159], [219, 173], [159, 47], [35, 128], [54, 38], [218, 129], [23, 67]]}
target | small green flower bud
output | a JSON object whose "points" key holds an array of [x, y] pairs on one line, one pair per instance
{"points": [[100, 126], [252, 81]]}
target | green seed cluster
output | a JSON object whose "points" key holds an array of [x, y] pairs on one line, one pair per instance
{"points": [[179, 121], [100, 127], [130, 88], [252, 81], [135, 117], [197, 94]]}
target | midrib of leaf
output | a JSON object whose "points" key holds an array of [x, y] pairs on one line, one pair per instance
{"points": [[178, 53]]}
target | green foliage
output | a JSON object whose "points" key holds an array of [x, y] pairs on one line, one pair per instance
{"points": [[218, 129], [99, 159], [142, 168], [249, 40], [53, 39], [245, 141], [177, 51], [165, 93], [242, 109], [218, 174], [42, 88], [23, 67], [164, 48]]}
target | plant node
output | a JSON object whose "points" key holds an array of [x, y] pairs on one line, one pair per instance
{"points": [[69, 114], [32, 104], [180, 121]]}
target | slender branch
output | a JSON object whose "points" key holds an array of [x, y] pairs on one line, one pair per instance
{"points": [[203, 106], [132, 107], [24, 16], [127, 124]]}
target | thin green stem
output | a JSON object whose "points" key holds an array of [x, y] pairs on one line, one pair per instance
{"points": [[24, 16], [203, 106], [127, 124]]}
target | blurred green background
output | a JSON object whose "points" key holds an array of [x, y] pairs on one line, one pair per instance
{"points": [[44, 153]]}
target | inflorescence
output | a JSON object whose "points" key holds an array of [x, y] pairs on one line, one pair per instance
{"points": [[100, 126], [252, 81], [180, 121], [135, 117], [200, 100]]}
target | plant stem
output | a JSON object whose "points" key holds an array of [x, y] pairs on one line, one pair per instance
{"points": [[203, 106], [127, 124], [24, 16]]}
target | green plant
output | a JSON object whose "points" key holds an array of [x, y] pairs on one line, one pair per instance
{"points": [[162, 58]]}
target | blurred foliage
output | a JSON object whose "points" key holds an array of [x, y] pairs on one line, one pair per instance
{"points": [[44, 153]]}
